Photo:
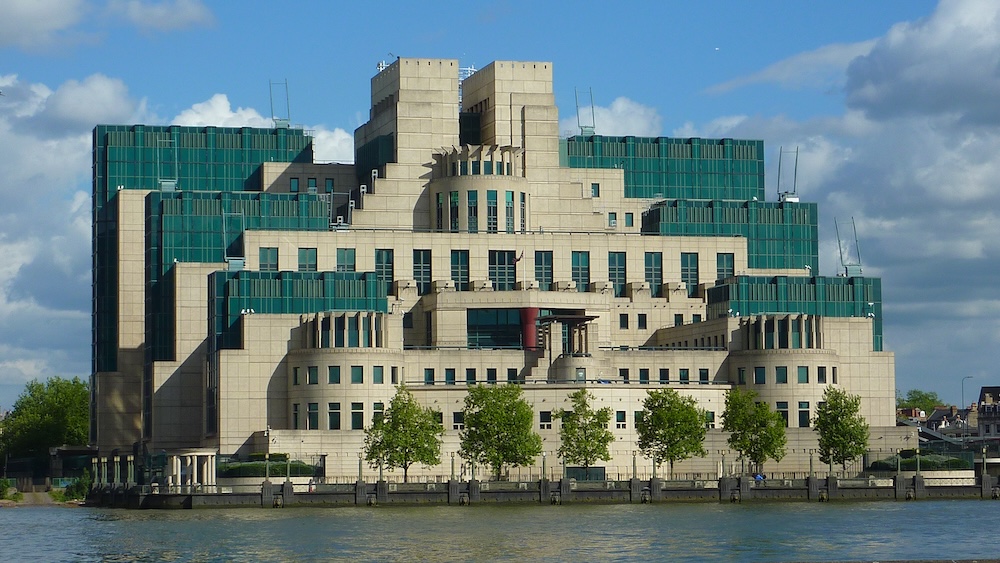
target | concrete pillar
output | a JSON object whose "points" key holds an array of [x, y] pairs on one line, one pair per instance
{"points": [[656, 489], [453, 496], [474, 495], [116, 465], [266, 495], [130, 473], [918, 486]]}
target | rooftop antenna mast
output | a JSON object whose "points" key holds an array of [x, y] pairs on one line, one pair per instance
{"points": [[586, 130], [793, 195], [851, 269], [280, 122]]}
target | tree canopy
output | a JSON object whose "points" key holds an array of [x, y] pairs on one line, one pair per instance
{"points": [[45, 415], [756, 432], [923, 400], [498, 428], [405, 434], [843, 432], [584, 432], [671, 428]]}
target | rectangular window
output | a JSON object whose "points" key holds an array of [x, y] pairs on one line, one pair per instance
{"points": [[678, 319], [460, 269], [696, 318], [333, 416], [620, 419], [641, 321], [803, 374], [268, 259], [428, 376], [345, 260], [449, 376], [623, 374], [439, 211], [470, 376], [703, 376], [312, 417], [709, 419], [803, 414], [357, 374], [689, 272], [664, 376], [581, 270], [509, 205], [473, 211], [629, 219], [834, 375], [503, 269], [307, 259], [654, 273], [545, 420], [357, 416], [617, 272], [384, 268], [781, 374], [685, 376], [725, 265], [329, 185], [422, 271], [394, 371], [313, 375], [333, 375], [295, 416], [595, 190], [512, 375], [491, 211], [453, 208], [821, 375], [644, 376], [293, 185], [758, 375], [311, 185], [783, 411], [543, 269], [295, 376], [612, 219], [524, 212], [491, 375], [457, 420], [378, 411], [741, 376], [623, 321], [378, 375]]}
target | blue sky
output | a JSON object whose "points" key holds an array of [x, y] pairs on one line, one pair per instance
{"points": [[892, 105]]}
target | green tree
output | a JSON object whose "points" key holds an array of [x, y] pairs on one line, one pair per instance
{"points": [[45, 415], [671, 428], [498, 428], [584, 432], [843, 432], [405, 434], [923, 400], [755, 431]]}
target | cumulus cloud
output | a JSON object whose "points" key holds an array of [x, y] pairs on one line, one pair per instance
{"points": [[36, 23], [75, 106], [622, 117], [820, 68], [164, 15]]}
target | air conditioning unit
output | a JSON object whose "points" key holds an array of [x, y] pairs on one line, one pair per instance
{"points": [[612, 222]]}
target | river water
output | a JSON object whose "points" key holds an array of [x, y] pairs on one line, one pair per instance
{"points": [[771, 531]]}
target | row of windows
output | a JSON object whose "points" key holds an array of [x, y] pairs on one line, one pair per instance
{"points": [[802, 374], [804, 418], [715, 341], [310, 375], [309, 418], [471, 377], [453, 211], [311, 185], [663, 376]]}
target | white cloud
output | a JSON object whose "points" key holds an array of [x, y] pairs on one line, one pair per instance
{"points": [[164, 15], [219, 112], [333, 146], [37, 23], [622, 117], [820, 68]]}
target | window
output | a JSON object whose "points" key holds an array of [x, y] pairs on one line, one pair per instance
{"points": [[378, 411], [741, 376], [422, 271], [439, 211], [623, 374], [333, 375], [821, 375], [803, 374], [620, 419], [803, 414], [307, 259], [543, 269], [473, 211], [695, 318], [524, 212], [834, 375], [345, 260], [334, 416], [460, 269], [295, 416], [581, 270], [295, 376], [293, 185], [503, 269], [457, 420], [709, 419], [678, 319], [428, 376], [470, 376], [629, 219], [357, 416], [758, 375], [512, 375], [617, 272], [654, 273], [357, 374], [703, 376], [395, 375], [312, 417], [595, 190], [384, 268], [329, 185], [641, 321], [491, 211], [664, 376], [685, 376], [311, 185], [781, 374], [612, 219], [623, 321], [491, 375], [313, 375], [378, 375], [268, 259], [724, 265], [644, 376], [783, 411], [453, 211], [449, 376], [545, 420], [689, 272], [509, 205]]}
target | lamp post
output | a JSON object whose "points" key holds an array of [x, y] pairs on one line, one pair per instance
{"points": [[965, 428]]}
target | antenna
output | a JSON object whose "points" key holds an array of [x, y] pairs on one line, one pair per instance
{"points": [[791, 196], [280, 122], [586, 130], [851, 269]]}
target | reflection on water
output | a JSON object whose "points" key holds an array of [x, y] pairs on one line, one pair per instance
{"points": [[749, 532]]}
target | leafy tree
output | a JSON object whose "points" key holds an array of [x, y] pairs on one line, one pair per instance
{"points": [[45, 415], [671, 428], [923, 400], [756, 432], [406, 433], [843, 432], [584, 432], [498, 428]]}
